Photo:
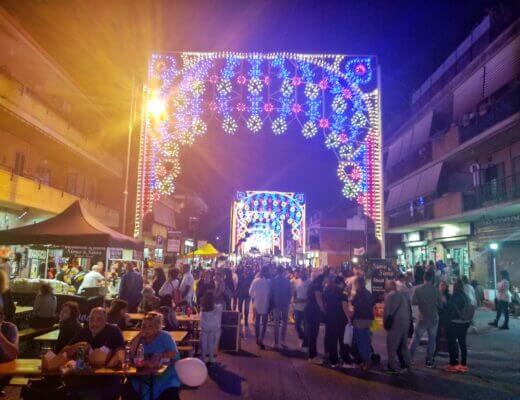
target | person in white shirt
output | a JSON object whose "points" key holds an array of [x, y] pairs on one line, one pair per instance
{"points": [[171, 286], [187, 284], [469, 291], [300, 286], [92, 279], [259, 292], [210, 327], [504, 297]]}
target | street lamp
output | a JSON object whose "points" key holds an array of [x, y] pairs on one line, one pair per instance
{"points": [[494, 248], [399, 252], [355, 260]]}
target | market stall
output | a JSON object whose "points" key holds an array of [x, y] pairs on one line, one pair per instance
{"points": [[71, 237]]}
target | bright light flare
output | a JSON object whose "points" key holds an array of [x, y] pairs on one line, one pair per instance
{"points": [[156, 107]]}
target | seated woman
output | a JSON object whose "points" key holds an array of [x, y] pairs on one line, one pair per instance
{"points": [[8, 344], [69, 324], [150, 301], [118, 314], [159, 349], [169, 318], [44, 311]]}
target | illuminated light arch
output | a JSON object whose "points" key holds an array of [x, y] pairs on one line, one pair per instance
{"points": [[265, 214], [336, 96]]}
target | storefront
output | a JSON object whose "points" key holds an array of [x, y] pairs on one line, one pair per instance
{"points": [[415, 249], [505, 232]]}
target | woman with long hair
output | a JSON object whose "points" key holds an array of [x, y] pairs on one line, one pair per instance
{"points": [[210, 325], [503, 300], [158, 279], [69, 324], [457, 329], [118, 314]]}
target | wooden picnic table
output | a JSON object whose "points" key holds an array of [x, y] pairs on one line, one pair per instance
{"points": [[32, 367], [52, 336], [23, 309], [193, 318]]}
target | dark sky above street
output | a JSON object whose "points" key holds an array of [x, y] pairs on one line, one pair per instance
{"points": [[103, 43]]}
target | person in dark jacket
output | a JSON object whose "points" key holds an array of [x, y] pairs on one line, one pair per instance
{"points": [[457, 328], [245, 278], [281, 292], [336, 308], [361, 313], [69, 324], [131, 287], [118, 314], [7, 297]]}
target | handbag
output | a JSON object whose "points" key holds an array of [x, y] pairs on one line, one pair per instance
{"points": [[348, 335]]}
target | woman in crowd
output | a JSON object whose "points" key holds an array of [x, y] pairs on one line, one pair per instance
{"points": [[230, 286], [69, 324], [169, 292], [361, 313], [442, 338], [336, 308], [150, 301], [458, 325], [118, 314], [158, 280], [314, 314], [222, 292], [6, 297], [210, 325], [159, 348], [44, 310], [503, 300], [204, 285]]}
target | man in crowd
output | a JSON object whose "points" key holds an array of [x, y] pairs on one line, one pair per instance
{"points": [[131, 287], [98, 334], [427, 298], [8, 345], [281, 299], [301, 284], [260, 294], [92, 279], [187, 284]]}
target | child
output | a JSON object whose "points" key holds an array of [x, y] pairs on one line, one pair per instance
{"points": [[210, 322]]}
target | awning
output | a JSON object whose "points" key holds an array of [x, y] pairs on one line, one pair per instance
{"points": [[421, 184], [208, 250], [73, 227]]}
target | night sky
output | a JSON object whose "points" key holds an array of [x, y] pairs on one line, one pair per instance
{"points": [[410, 40], [103, 44]]}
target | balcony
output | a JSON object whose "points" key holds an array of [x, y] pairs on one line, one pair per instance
{"points": [[498, 110], [405, 216], [494, 192], [25, 191], [24, 113], [413, 162]]}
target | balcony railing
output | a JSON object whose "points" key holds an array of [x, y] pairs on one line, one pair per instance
{"points": [[407, 215], [494, 192], [500, 109]]}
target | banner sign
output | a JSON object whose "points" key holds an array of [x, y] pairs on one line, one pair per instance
{"points": [[84, 252], [381, 272]]}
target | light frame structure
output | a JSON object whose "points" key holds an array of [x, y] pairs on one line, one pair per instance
{"points": [[268, 214], [336, 96]]}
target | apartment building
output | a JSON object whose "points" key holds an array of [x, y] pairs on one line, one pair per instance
{"points": [[452, 169], [48, 153]]}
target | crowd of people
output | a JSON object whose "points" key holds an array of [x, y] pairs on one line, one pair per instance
{"points": [[264, 294]]}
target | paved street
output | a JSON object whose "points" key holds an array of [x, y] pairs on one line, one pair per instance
{"points": [[254, 374]]}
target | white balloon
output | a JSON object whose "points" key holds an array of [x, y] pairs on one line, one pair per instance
{"points": [[191, 371]]}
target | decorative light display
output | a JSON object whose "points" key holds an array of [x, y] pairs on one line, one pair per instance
{"points": [[260, 217], [336, 95]]}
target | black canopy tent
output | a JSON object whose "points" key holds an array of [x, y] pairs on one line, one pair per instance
{"points": [[73, 227]]}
